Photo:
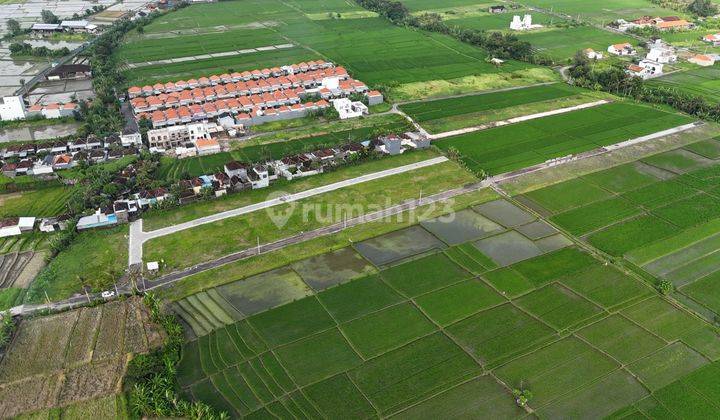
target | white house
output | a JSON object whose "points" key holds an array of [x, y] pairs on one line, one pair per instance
{"points": [[523, 24], [592, 54], [646, 69], [12, 108], [661, 53], [14, 226], [348, 109], [131, 139], [622, 49]]}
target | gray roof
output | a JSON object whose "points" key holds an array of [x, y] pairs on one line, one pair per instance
{"points": [[45, 26]]}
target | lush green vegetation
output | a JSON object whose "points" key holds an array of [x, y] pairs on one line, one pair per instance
{"points": [[466, 111], [524, 144]]}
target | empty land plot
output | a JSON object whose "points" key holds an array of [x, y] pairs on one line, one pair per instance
{"points": [[552, 371], [398, 245], [536, 230], [213, 240], [374, 50], [461, 226], [455, 113], [264, 291], [39, 203], [504, 213], [516, 146], [508, 248], [561, 43], [488, 337], [332, 268]]}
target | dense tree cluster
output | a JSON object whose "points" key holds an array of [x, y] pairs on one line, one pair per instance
{"points": [[23, 48], [702, 8]]}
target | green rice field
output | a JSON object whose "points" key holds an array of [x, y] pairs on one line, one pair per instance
{"points": [[45, 202], [466, 111], [700, 81], [661, 214], [524, 144], [405, 56], [425, 331]]}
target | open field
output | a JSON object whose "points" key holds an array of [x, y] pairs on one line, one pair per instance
{"points": [[697, 81], [96, 259], [605, 12], [516, 146], [36, 203], [467, 111], [406, 56], [210, 241], [561, 44], [72, 358]]}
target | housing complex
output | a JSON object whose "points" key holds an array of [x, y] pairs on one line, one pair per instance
{"points": [[250, 97]]}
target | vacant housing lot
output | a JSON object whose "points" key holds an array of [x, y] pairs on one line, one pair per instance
{"points": [[697, 81], [516, 146]]}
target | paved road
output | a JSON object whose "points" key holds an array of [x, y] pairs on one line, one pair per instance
{"points": [[138, 236]]}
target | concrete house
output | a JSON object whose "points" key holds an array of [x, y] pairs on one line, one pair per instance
{"points": [[624, 49]]}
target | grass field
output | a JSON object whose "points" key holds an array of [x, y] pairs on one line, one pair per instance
{"points": [[696, 81], [406, 56], [504, 149], [467, 111], [96, 259], [37, 203]]}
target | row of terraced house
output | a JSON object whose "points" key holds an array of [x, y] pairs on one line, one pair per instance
{"points": [[252, 97]]}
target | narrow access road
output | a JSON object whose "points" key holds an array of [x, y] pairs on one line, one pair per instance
{"points": [[138, 237]]}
